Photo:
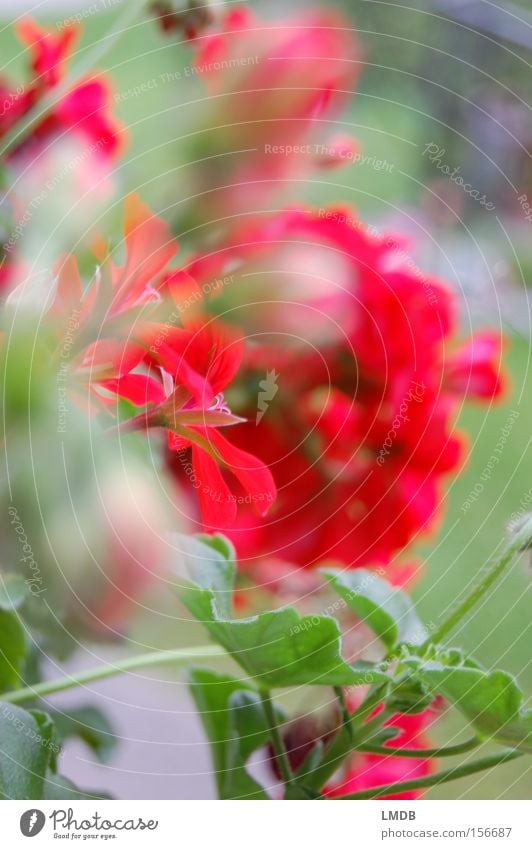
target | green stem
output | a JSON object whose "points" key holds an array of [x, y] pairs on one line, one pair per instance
{"points": [[15, 137], [277, 741], [375, 696], [491, 576], [368, 729], [436, 779], [98, 673], [444, 752], [344, 713]]}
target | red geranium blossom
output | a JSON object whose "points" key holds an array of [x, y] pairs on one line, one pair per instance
{"points": [[78, 124], [281, 82], [83, 110], [177, 374], [359, 435]]}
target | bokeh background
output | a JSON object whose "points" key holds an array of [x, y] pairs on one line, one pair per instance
{"points": [[439, 72]]}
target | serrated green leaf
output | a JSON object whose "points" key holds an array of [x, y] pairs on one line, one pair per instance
{"points": [[24, 757], [13, 591], [389, 612], [90, 725], [13, 647], [235, 725], [210, 561], [278, 648], [491, 701]]}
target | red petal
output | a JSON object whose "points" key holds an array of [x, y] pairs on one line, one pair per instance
{"points": [[137, 388], [185, 293], [150, 246], [119, 356], [475, 369], [69, 291], [252, 473], [49, 49], [218, 506], [184, 375]]}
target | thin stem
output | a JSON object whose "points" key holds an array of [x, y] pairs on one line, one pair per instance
{"points": [[368, 729], [373, 698], [491, 576], [93, 56], [277, 741], [98, 673], [436, 779], [444, 752], [344, 713]]}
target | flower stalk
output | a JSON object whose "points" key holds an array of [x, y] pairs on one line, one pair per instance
{"points": [[520, 541], [98, 673]]}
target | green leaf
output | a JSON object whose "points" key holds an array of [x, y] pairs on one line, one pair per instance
{"points": [[125, 409], [49, 737], [235, 725], [278, 648], [59, 787], [491, 701], [90, 725], [211, 563], [245, 707], [13, 647], [409, 695], [389, 612], [25, 753], [13, 591]]}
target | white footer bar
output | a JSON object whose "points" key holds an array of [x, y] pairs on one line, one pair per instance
{"points": [[423, 824]]}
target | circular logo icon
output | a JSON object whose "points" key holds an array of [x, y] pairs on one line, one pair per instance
{"points": [[32, 822]]}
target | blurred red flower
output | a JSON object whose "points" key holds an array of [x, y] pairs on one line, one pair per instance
{"points": [[177, 373], [365, 771], [274, 88], [360, 434], [82, 110]]}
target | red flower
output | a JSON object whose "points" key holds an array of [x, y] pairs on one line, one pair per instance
{"points": [[50, 51], [84, 110], [80, 119], [366, 771], [176, 373], [360, 434], [286, 79]]}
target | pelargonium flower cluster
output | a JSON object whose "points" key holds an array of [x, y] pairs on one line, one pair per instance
{"points": [[360, 434]]}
